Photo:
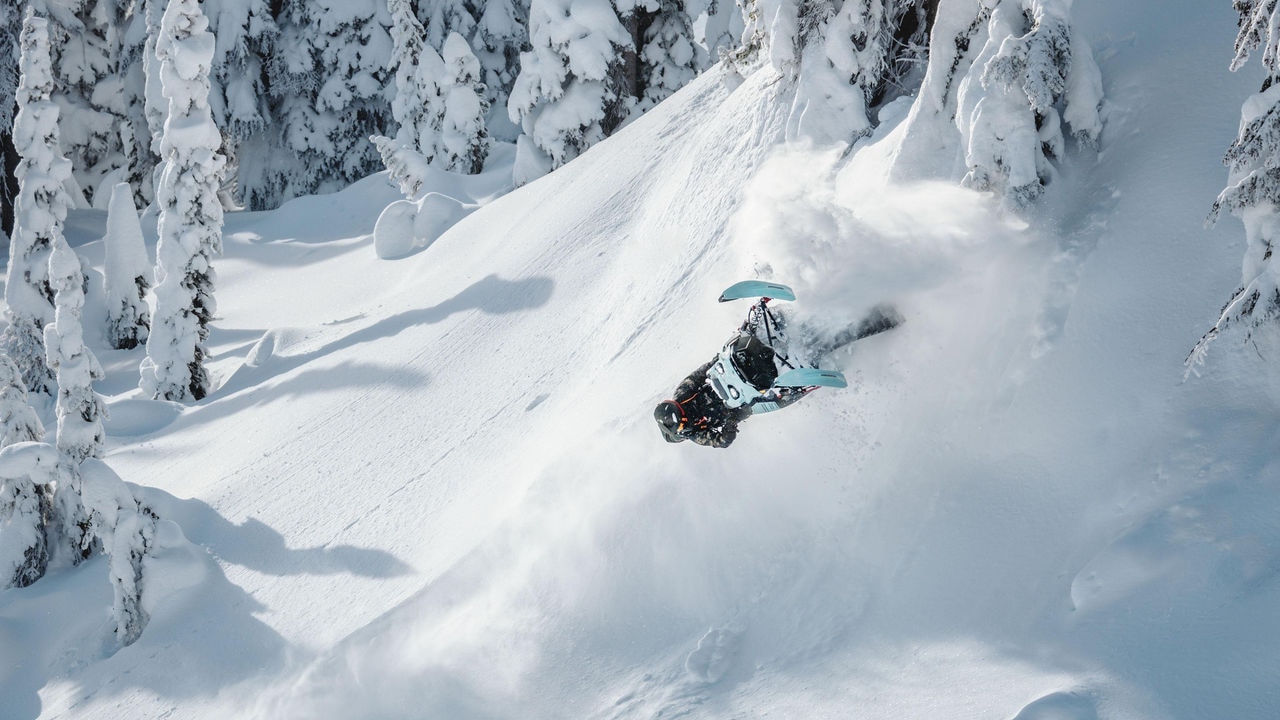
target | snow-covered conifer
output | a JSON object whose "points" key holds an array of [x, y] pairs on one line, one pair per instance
{"points": [[98, 114], [155, 106], [666, 57], [50, 505], [501, 32], [1004, 79], [328, 77], [1253, 185], [127, 274], [132, 539], [567, 96], [1033, 72], [125, 529], [80, 410], [10, 23], [848, 56], [440, 18], [40, 209], [190, 223], [417, 106], [18, 420], [28, 472], [464, 139], [723, 23], [239, 97]]}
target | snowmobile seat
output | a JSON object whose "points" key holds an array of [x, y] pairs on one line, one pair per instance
{"points": [[753, 360]]}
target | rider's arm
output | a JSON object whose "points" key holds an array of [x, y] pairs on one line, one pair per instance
{"points": [[723, 436], [693, 382]]}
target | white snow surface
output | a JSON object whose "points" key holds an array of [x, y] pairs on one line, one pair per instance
{"points": [[430, 487]]}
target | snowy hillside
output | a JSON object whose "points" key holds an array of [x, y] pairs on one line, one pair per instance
{"points": [[430, 487]]}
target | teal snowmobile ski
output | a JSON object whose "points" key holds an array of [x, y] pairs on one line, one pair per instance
{"points": [[756, 366]]}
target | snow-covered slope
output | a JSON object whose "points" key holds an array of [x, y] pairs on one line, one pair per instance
{"points": [[431, 488]]}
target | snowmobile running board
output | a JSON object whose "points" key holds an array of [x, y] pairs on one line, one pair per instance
{"points": [[811, 377], [757, 288]]}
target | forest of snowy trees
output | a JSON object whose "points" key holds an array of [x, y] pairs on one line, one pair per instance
{"points": [[194, 108], [298, 87]]}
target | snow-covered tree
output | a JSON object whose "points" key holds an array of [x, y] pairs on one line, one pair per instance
{"points": [[239, 98], [417, 106], [439, 106], [245, 34], [666, 57], [80, 410], [127, 274], [847, 58], [28, 474], [49, 505], [10, 23], [722, 24], [190, 223], [1012, 114], [501, 33], [1004, 79], [328, 77], [18, 420], [569, 93], [464, 139], [440, 18], [40, 209], [1253, 185], [155, 106], [98, 111], [126, 530]]}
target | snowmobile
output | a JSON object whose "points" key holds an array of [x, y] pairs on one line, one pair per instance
{"points": [[758, 367]]}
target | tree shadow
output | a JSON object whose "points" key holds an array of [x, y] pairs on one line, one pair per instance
{"points": [[198, 642], [491, 295], [255, 545]]}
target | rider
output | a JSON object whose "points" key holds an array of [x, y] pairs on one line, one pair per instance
{"points": [[697, 413], [701, 414]]}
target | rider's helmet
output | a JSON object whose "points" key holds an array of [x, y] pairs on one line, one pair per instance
{"points": [[669, 417]]}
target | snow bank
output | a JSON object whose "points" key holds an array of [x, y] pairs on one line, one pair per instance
{"points": [[406, 226]]}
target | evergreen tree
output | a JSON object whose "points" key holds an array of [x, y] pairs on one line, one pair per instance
{"points": [[155, 106], [501, 33], [51, 506], [28, 474], [98, 135], [666, 57], [570, 92], [10, 22], [18, 420], [1253, 186], [1011, 115], [464, 139], [127, 273], [723, 26], [190, 223], [239, 98], [131, 540], [328, 80], [40, 209], [844, 57], [1003, 80], [80, 410], [439, 18], [417, 106]]}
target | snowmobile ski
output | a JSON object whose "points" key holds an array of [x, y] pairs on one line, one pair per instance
{"points": [[757, 288], [811, 377]]}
